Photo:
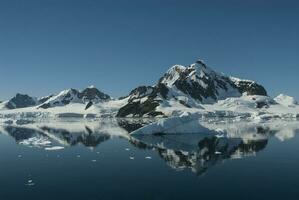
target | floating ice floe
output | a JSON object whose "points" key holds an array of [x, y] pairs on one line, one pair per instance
{"points": [[54, 148], [30, 183]]}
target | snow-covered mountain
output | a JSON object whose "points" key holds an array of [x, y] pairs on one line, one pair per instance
{"points": [[182, 89], [90, 94], [189, 86]]}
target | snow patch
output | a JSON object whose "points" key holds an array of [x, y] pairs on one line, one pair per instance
{"points": [[286, 100]]}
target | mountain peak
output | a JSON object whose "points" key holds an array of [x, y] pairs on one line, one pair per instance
{"points": [[194, 71], [172, 74], [93, 94], [189, 86], [201, 63]]}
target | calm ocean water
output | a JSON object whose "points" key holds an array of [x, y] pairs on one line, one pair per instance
{"points": [[83, 162]]}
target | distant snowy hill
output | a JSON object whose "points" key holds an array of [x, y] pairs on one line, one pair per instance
{"points": [[90, 94], [188, 86], [22, 101], [286, 100]]}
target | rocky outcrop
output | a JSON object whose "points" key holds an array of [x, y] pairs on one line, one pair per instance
{"points": [[88, 105], [250, 87], [142, 100]]}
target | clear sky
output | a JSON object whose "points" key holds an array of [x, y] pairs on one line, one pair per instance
{"points": [[50, 45]]}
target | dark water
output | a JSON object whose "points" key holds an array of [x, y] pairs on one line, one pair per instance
{"points": [[98, 164]]}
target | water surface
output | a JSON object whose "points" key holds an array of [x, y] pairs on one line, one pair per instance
{"points": [[100, 160]]}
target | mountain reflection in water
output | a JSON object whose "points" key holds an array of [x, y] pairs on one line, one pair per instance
{"points": [[197, 152]]}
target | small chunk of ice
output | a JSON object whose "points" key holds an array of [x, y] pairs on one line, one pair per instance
{"points": [[55, 148], [148, 157], [127, 149], [219, 136], [132, 158], [30, 183]]}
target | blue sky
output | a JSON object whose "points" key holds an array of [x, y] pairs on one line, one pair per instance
{"points": [[48, 46]]}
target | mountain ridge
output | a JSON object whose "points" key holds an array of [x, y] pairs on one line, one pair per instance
{"points": [[193, 88], [89, 94]]}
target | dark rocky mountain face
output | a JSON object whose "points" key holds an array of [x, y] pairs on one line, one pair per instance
{"points": [[251, 88], [138, 108], [21, 101], [196, 83], [92, 94]]}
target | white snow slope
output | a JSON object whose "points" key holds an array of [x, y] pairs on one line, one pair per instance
{"points": [[236, 107]]}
